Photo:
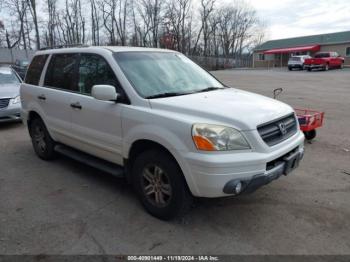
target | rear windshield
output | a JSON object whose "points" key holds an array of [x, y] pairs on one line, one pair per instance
{"points": [[320, 55]]}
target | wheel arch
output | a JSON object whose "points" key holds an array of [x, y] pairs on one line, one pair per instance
{"points": [[142, 145], [31, 116]]}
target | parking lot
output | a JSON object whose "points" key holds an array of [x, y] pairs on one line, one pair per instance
{"points": [[64, 207]]}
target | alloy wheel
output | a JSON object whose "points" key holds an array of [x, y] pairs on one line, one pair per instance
{"points": [[39, 138], [156, 185]]}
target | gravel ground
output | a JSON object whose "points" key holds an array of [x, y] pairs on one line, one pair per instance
{"points": [[63, 207]]}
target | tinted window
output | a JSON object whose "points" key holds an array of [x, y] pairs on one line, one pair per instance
{"points": [[348, 51], [61, 72], [35, 69], [94, 70]]}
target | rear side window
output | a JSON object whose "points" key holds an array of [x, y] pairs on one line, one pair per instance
{"points": [[61, 72], [35, 69], [94, 70]]}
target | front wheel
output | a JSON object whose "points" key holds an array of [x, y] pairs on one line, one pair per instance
{"points": [[42, 142], [160, 185], [309, 135]]}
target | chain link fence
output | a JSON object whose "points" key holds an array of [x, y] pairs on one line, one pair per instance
{"points": [[219, 63]]}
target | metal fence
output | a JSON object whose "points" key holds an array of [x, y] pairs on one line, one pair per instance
{"points": [[9, 56], [217, 63]]}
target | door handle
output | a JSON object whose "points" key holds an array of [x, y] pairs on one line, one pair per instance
{"points": [[76, 105], [42, 97]]}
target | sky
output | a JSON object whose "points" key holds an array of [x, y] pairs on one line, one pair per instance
{"points": [[292, 18]]}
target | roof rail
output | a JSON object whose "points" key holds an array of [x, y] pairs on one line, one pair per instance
{"points": [[63, 46]]}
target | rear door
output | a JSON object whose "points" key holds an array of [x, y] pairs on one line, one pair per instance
{"points": [[59, 84], [96, 125]]}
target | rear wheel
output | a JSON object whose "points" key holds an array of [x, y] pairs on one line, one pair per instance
{"points": [[160, 185], [309, 69], [42, 142], [309, 135]]}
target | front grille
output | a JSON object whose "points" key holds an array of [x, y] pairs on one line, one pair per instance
{"points": [[278, 130], [4, 102]]}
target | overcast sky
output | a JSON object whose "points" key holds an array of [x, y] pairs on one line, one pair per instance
{"points": [[290, 18]]}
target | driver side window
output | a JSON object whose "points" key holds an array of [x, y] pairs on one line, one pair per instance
{"points": [[94, 70]]}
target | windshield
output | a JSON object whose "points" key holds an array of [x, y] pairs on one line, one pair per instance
{"points": [[159, 73], [8, 77], [320, 55], [294, 58]]}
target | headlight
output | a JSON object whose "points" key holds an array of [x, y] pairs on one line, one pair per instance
{"points": [[16, 100], [218, 138]]}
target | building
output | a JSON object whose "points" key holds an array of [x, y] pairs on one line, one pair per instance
{"points": [[9, 56], [275, 53]]}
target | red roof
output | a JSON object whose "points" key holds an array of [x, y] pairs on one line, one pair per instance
{"points": [[313, 48]]}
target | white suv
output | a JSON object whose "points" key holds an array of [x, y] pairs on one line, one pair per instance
{"points": [[158, 119]]}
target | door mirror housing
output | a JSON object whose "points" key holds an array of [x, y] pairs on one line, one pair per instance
{"points": [[104, 93]]}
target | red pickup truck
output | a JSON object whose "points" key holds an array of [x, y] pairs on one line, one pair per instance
{"points": [[325, 61]]}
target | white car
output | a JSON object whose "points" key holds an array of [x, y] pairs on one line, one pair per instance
{"points": [[158, 119], [10, 101], [297, 62]]}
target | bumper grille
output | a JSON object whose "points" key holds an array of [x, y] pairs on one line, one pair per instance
{"points": [[278, 130], [4, 102]]}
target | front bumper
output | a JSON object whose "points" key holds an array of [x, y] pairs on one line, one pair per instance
{"points": [[283, 166], [11, 113], [208, 174]]}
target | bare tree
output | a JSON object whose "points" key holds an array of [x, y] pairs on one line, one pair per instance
{"points": [[33, 11]]}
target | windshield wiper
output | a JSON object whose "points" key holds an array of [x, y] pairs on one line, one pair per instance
{"points": [[167, 94], [211, 88]]}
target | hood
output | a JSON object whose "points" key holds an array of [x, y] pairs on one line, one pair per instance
{"points": [[9, 90], [233, 107]]}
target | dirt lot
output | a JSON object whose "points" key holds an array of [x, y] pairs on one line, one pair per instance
{"points": [[63, 207]]}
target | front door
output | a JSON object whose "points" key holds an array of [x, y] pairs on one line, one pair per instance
{"points": [[96, 125]]}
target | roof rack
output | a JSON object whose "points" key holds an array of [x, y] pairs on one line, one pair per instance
{"points": [[63, 46]]}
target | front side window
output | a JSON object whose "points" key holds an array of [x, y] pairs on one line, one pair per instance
{"points": [[160, 73], [61, 72], [94, 70], [34, 71], [8, 77]]}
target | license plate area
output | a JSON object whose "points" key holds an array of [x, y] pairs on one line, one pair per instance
{"points": [[291, 162]]}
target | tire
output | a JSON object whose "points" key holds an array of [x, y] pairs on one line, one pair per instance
{"points": [[160, 185], [309, 135], [309, 69], [42, 142], [289, 68]]}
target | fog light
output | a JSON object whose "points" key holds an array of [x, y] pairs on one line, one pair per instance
{"points": [[238, 188]]}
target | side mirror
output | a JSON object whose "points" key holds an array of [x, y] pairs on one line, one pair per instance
{"points": [[104, 93]]}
